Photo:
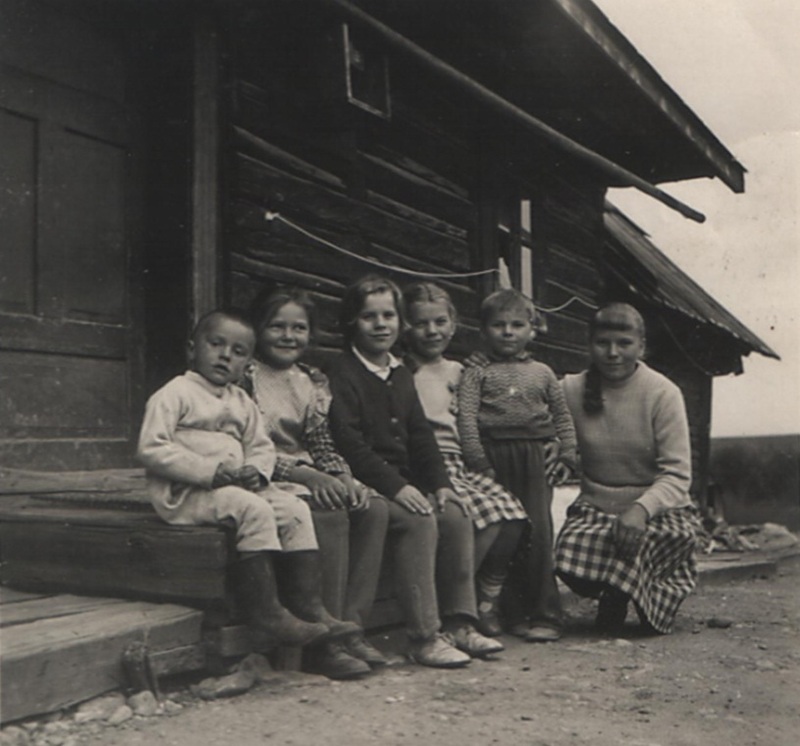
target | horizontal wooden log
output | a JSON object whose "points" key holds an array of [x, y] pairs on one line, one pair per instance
{"points": [[386, 223], [386, 178], [54, 663], [26, 481], [113, 553], [400, 159], [251, 219], [64, 453], [261, 149], [282, 245]]}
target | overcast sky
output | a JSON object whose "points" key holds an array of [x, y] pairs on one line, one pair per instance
{"points": [[736, 63]]}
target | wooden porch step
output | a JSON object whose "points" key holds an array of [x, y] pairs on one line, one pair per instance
{"points": [[61, 650], [49, 546]]}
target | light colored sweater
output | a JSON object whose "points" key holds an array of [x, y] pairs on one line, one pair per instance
{"points": [[437, 386], [190, 427], [637, 448]]}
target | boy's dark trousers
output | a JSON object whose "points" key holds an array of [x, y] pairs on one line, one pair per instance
{"points": [[530, 592]]}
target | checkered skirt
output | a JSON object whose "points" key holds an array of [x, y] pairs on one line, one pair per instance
{"points": [[489, 502], [661, 576]]}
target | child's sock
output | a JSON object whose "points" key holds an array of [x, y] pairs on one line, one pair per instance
{"points": [[489, 585]]}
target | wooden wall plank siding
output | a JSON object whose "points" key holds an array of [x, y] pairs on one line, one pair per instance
{"points": [[567, 232], [352, 188]]}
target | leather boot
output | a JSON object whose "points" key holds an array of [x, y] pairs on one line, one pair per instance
{"points": [[611, 611], [303, 586], [270, 623]]}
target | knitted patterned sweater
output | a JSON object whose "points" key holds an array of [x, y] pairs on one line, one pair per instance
{"points": [[514, 399], [637, 448]]}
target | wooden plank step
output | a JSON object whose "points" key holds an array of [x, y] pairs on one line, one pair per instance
{"points": [[11, 595], [116, 553], [49, 664], [25, 481], [50, 607]]}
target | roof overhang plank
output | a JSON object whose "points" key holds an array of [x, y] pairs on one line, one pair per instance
{"points": [[618, 50], [615, 173]]}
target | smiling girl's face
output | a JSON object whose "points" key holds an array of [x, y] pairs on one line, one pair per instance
{"points": [[616, 353], [431, 327], [285, 337], [376, 327]]}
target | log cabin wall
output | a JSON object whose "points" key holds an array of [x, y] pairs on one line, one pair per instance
{"points": [[396, 191], [418, 186], [567, 230]]}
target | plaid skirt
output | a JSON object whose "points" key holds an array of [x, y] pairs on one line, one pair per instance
{"points": [[661, 576], [489, 502]]}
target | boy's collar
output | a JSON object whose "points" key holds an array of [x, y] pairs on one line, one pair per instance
{"points": [[520, 357], [212, 388], [382, 371]]}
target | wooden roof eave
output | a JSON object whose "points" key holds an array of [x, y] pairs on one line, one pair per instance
{"points": [[624, 56], [681, 293], [615, 173]]}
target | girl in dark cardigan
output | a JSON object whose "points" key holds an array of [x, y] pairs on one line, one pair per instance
{"points": [[380, 428]]}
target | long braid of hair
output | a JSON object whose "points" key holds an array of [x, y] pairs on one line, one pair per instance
{"points": [[593, 391]]}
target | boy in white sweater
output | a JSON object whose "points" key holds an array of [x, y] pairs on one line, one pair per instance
{"points": [[209, 462]]}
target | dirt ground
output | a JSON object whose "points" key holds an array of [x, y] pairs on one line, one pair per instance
{"points": [[704, 684]]}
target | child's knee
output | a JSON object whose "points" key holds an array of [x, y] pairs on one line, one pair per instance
{"points": [[241, 505], [422, 527], [333, 522], [377, 512], [452, 520]]}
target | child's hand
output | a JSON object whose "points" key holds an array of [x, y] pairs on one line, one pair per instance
{"points": [[223, 477], [445, 495], [552, 448], [248, 478], [476, 359], [557, 474], [629, 531], [327, 492], [413, 500], [357, 494]]}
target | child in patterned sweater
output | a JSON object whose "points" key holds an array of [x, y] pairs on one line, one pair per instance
{"points": [[508, 411]]}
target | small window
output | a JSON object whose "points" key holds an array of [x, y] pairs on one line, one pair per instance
{"points": [[366, 74]]}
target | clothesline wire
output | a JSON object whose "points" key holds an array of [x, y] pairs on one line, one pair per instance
{"points": [[270, 215], [277, 216]]}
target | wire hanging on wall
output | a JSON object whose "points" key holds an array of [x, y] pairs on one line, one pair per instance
{"points": [[270, 216]]}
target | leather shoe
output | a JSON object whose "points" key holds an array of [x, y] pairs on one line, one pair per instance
{"points": [[542, 633], [467, 639], [437, 653], [359, 647], [334, 661]]}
